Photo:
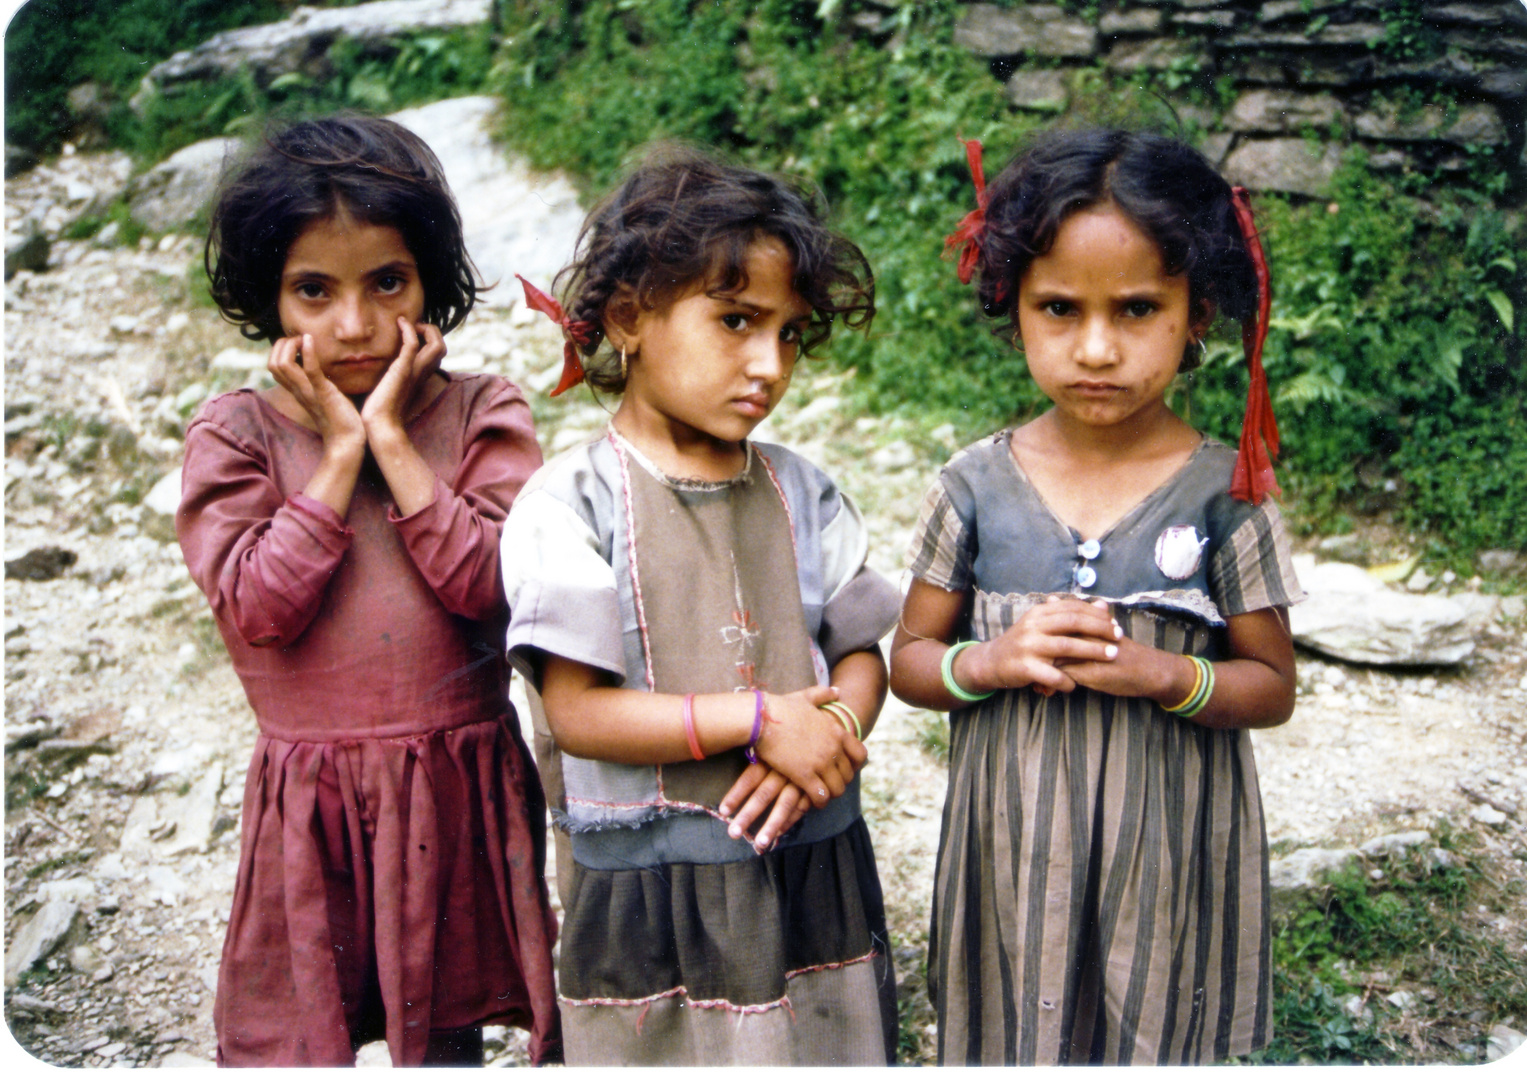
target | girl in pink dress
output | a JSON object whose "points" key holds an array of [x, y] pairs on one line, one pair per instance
{"points": [[344, 526]]}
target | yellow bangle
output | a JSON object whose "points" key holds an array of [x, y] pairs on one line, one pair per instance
{"points": [[844, 715], [1198, 684]]}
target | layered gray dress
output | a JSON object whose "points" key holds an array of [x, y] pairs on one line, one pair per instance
{"points": [[1101, 887], [680, 945]]}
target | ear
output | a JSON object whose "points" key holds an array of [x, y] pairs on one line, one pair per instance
{"points": [[1201, 319], [622, 319]]}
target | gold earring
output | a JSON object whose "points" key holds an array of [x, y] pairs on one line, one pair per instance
{"points": [[622, 363]]}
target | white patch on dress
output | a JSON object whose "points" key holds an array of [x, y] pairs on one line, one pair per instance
{"points": [[1179, 550]]}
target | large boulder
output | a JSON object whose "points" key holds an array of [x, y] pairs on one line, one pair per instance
{"points": [[281, 48], [516, 221], [1034, 30], [179, 188], [1283, 165], [1352, 616]]}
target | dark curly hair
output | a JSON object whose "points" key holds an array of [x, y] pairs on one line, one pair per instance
{"points": [[681, 218], [375, 170], [1164, 186]]}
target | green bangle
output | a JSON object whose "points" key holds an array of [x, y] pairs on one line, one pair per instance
{"points": [[1202, 692], [845, 715], [947, 668]]}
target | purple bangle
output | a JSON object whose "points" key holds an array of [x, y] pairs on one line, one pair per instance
{"points": [[758, 715]]}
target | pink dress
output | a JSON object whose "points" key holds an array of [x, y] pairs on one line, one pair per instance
{"points": [[391, 875]]}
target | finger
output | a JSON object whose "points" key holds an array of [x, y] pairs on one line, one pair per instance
{"points": [[845, 769], [788, 809], [433, 348], [1048, 680], [833, 777], [756, 805], [821, 695], [410, 338], [817, 791], [857, 752], [741, 788]]}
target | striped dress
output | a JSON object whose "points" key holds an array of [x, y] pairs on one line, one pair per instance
{"points": [[1101, 889]]}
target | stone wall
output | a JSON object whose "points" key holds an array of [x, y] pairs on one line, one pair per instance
{"points": [[1419, 84]]}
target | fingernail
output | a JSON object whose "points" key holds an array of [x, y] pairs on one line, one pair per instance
{"points": [[1118, 631], [734, 832], [1111, 651]]}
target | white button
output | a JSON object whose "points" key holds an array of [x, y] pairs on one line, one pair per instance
{"points": [[1089, 549], [1086, 577]]}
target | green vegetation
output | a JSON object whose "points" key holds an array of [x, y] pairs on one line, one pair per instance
{"points": [[1395, 350], [54, 45], [420, 68], [1423, 930]]}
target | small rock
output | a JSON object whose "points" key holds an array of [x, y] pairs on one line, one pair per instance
{"points": [[39, 937], [41, 564], [1487, 815], [1401, 999], [1420, 581], [1394, 843], [123, 324], [236, 359], [180, 1059], [896, 455], [1441, 859], [1503, 1041]]}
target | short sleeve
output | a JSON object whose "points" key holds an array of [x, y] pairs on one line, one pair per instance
{"points": [[942, 551], [1253, 569], [862, 605], [562, 593]]}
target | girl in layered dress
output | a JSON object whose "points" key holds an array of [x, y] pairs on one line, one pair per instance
{"points": [[1100, 601], [696, 612], [344, 526]]}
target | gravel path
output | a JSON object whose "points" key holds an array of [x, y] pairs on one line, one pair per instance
{"points": [[127, 734]]}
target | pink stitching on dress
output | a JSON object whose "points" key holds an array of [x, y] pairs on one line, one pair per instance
{"points": [[662, 802], [832, 966], [636, 578], [692, 1003], [716, 1003], [780, 491]]}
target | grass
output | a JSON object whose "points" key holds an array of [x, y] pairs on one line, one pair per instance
{"points": [[1406, 959], [1411, 963]]}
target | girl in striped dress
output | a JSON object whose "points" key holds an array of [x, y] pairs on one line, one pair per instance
{"points": [[1100, 601]]}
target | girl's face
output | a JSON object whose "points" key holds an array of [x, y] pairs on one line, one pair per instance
{"points": [[709, 368], [346, 282], [1103, 325]]}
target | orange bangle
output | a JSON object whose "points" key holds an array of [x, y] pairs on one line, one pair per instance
{"points": [[689, 728]]}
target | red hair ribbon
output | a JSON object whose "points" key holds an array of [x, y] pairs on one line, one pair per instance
{"points": [[972, 226], [1253, 477], [579, 332]]}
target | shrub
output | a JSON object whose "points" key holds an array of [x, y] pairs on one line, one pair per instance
{"points": [[1393, 345]]}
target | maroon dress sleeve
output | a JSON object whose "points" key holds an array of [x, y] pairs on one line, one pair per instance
{"points": [[454, 540], [263, 561]]}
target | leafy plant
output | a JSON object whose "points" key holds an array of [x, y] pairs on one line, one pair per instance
{"points": [[1341, 951]]}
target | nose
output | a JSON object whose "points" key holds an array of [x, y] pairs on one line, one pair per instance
{"points": [[1097, 345], [770, 359], [352, 319]]}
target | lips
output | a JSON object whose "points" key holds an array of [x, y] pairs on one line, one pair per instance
{"points": [[1095, 389], [753, 405]]}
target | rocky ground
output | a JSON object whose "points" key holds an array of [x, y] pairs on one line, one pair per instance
{"points": [[127, 734]]}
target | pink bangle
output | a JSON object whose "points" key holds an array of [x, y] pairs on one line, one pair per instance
{"points": [[689, 728], [758, 719]]}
